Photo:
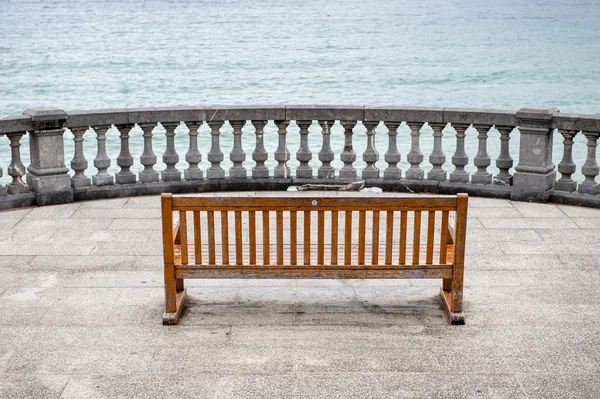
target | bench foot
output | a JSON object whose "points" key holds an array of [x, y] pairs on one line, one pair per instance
{"points": [[453, 317], [173, 318]]}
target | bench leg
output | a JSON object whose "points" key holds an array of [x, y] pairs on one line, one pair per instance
{"points": [[175, 296], [451, 294]]}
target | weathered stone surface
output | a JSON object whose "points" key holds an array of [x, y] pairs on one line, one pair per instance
{"points": [[404, 114], [324, 112], [100, 117], [168, 114], [480, 116], [15, 124]]}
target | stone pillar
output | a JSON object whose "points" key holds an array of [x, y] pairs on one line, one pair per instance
{"points": [[48, 176], [534, 175]]}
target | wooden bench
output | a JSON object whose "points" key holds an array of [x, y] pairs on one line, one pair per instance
{"points": [[314, 235]]}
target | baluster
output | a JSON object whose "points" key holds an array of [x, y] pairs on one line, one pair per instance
{"points": [[282, 155], [370, 156], [482, 159], [326, 171], [148, 158], [16, 169], [102, 161], [590, 168], [348, 155], [3, 189], [237, 155], [567, 167], [460, 159], [79, 164], [437, 157], [392, 156], [125, 159], [304, 155], [193, 156], [215, 155], [170, 156], [414, 156], [260, 155], [504, 162]]}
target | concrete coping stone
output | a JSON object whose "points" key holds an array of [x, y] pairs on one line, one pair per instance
{"points": [[15, 124], [577, 122]]}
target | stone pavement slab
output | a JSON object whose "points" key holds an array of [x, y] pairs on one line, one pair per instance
{"points": [[81, 301]]}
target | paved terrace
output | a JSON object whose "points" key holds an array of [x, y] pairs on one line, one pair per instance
{"points": [[82, 301]]}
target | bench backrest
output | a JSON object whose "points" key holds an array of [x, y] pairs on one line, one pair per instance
{"points": [[313, 230]]}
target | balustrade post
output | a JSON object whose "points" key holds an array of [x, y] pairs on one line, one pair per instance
{"points": [[215, 155], [125, 159], [170, 156], [304, 155], [193, 156], [260, 154], [282, 154], [16, 169], [148, 158], [504, 161], [392, 155], [482, 159], [237, 155], [47, 174], [460, 159], [437, 157], [534, 174], [79, 164], [326, 171], [102, 161], [414, 156], [567, 167], [590, 168], [348, 155], [370, 156]]}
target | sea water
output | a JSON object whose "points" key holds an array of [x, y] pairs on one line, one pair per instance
{"points": [[505, 54]]}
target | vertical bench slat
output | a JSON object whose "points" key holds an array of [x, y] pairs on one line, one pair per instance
{"points": [[389, 235], [403, 224], [444, 238], [184, 238], [430, 237], [252, 231], [416, 238], [321, 238], [362, 215], [293, 238], [225, 237], [375, 239], [211, 237], [348, 238], [279, 237], [307, 237], [266, 238], [197, 238], [239, 256], [334, 237]]}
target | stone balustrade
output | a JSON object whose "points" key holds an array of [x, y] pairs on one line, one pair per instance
{"points": [[369, 147]]}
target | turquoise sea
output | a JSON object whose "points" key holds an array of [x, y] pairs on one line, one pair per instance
{"points": [[505, 54]]}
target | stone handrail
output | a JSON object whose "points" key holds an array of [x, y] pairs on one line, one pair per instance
{"points": [[48, 180]]}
